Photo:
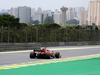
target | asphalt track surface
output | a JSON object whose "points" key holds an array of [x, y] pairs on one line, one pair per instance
{"points": [[7, 58]]}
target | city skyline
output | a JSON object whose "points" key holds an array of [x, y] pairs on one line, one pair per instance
{"points": [[44, 4], [40, 15]]}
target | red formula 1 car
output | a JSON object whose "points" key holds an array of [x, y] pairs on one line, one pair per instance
{"points": [[43, 53]]}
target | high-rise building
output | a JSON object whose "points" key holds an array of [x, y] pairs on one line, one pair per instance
{"points": [[94, 12], [37, 15], [57, 17], [25, 14], [49, 13], [44, 15], [14, 12], [3, 12], [78, 11], [32, 12], [70, 14], [83, 17]]}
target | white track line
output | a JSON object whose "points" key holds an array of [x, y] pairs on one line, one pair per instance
{"points": [[54, 49]]}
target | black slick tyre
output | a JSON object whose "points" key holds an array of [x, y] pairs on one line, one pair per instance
{"points": [[57, 55], [39, 56], [48, 56], [32, 55]]}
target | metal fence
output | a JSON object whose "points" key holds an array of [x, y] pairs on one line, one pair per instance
{"points": [[31, 34]]}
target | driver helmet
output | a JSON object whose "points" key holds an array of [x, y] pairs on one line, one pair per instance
{"points": [[44, 49]]}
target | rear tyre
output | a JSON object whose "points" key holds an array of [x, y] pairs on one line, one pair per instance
{"points": [[39, 56], [32, 55], [48, 56], [57, 55]]}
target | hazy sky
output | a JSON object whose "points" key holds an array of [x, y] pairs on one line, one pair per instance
{"points": [[44, 4]]}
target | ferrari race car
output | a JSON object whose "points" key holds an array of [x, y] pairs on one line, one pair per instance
{"points": [[44, 53]]}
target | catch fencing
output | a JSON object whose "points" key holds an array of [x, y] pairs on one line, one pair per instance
{"points": [[33, 34]]}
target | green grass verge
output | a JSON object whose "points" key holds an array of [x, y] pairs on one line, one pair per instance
{"points": [[79, 67]]}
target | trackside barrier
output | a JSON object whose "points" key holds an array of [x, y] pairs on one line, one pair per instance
{"points": [[18, 46], [30, 46], [48, 44]]}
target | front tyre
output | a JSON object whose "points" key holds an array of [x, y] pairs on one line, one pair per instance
{"points": [[57, 55]]}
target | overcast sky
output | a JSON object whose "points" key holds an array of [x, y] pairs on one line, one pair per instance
{"points": [[44, 4]]}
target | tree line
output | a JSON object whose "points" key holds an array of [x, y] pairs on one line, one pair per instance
{"points": [[14, 31]]}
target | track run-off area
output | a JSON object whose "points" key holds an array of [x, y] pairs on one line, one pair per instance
{"points": [[76, 60]]}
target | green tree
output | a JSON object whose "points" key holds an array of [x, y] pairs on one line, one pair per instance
{"points": [[9, 20], [53, 25], [35, 22], [74, 21], [48, 20], [39, 26]]}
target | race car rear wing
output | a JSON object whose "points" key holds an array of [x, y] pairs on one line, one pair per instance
{"points": [[38, 50]]}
